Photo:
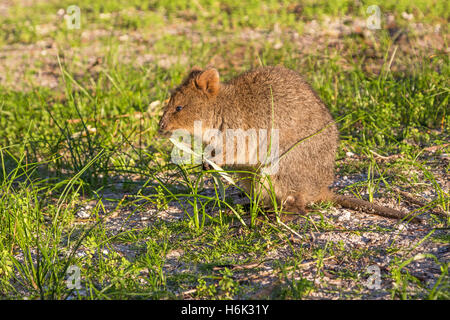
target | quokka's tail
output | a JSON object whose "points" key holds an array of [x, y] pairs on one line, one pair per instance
{"points": [[369, 207]]}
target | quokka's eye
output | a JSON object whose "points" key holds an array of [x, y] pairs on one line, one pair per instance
{"points": [[178, 108]]}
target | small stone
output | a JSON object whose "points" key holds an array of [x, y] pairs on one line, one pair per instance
{"points": [[152, 106], [277, 45], [345, 215], [83, 214], [407, 16]]}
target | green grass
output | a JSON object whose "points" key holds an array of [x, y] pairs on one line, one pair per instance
{"points": [[93, 139]]}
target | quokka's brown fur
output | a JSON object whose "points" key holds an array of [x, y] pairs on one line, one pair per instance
{"points": [[265, 98]]}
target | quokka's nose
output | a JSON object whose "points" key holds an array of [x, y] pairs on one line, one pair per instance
{"points": [[162, 126]]}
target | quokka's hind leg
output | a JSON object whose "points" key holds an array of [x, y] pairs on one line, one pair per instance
{"points": [[298, 202], [295, 203], [293, 206]]}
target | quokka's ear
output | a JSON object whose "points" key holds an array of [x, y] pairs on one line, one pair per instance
{"points": [[208, 81], [195, 71], [196, 68]]}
